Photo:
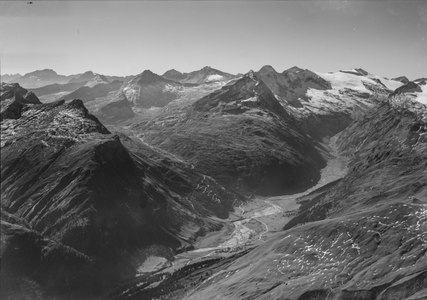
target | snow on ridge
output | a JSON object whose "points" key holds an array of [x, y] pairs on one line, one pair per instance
{"points": [[341, 80]]}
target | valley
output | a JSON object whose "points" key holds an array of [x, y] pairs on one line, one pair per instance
{"points": [[208, 185]]}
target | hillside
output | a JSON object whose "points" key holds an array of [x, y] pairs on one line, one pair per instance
{"points": [[241, 136], [81, 206]]}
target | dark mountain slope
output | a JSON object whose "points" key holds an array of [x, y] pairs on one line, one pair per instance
{"points": [[116, 111], [241, 136], [83, 206]]}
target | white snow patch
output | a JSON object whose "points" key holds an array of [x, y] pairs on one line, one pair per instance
{"points": [[422, 96], [251, 99], [151, 264], [389, 83], [214, 77]]}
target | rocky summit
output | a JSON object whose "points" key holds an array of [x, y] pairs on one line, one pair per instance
{"points": [[288, 184]]}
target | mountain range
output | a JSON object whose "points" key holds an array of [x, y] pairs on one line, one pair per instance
{"points": [[207, 185]]}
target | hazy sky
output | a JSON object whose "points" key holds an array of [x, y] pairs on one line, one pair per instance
{"points": [[388, 38]]}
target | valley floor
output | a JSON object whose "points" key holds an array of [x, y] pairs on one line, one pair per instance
{"points": [[252, 222]]}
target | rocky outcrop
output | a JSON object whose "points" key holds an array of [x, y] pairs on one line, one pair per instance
{"points": [[13, 100], [402, 79], [410, 87]]}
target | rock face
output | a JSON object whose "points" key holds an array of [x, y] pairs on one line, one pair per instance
{"points": [[242, 136], [204, 75], [81, 206], [409, 87], [402, 79]]}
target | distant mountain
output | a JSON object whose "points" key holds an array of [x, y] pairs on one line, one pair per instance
{"points": [[9, 77], [84, 77], [39, 78], [149, 89], [174, 75], [93, 89], [292, 84], [97, 79], [325, 103], [204, 75], [57, 88]]}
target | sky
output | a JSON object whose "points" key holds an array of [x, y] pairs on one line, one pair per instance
{"points": [[388, 38]]}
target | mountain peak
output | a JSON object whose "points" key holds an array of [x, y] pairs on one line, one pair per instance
{"points": [[252, 75], [267, 69], [172, 72], [174, 75], [147, 76], [89, 73], [294, 69]]}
